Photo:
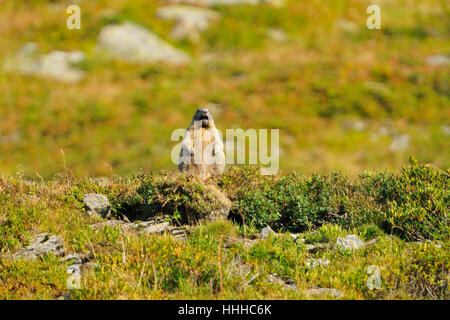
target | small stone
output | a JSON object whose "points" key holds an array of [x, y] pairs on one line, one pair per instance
{"points": [[294, 236], [400, 143], [286, 282], [74, 269], [266, 232], [277, 35], [350, 242], [74, 258], [97, 205], [438, 60], [355, 125], [157, 228], [64, 297]]}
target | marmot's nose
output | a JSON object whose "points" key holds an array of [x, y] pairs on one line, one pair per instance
{"points": [[203, 111]]}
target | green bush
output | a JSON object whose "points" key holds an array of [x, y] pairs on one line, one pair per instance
{"points": [[413, 206]]}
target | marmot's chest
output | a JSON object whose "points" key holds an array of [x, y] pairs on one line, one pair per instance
{"points": [[206, 138]]}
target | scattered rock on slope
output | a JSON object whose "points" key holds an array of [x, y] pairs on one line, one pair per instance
{"points": [[133, 43], [286, 282], [42, 244], [190, 21], [266, 232], [56, 65], [350, 242], [97, 205]]}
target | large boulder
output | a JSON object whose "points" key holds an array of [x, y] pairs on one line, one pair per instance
{"points": [[350, 242], [56, 65], [438, 60], [133, 43], [266, 232], [189, 21]]}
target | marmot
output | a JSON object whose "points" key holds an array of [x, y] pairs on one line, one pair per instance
{"points": [[202, 147]]}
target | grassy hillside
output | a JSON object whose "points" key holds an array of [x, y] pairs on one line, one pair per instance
{"points": [[329, 73], [403, 220]]}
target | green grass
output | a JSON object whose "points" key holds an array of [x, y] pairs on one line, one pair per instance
{"points": [[117, 123], [119, 119], [213, 262]]}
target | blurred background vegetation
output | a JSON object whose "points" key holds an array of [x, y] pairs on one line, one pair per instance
{"points": [[343, 96]]}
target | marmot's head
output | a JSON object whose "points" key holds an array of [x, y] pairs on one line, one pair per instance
{"points": [[203, 115]]}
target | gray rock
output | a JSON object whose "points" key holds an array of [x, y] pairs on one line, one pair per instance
{"points": [[78, 263], [315, 263], [294, 236], [400, 143], [74, 258], [266, 232], [97, 205], [286, 282], [277, 35], [323, 292], [56, 65], [350, 242], [189, 21], [371, 242], [445, 130], [133, 43], [157, 228], [179, 233], [110, 223], [64, 297], [358, 125], [438, 60], [42, 244], [74, 268], [346, 26], [313, 248]]}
